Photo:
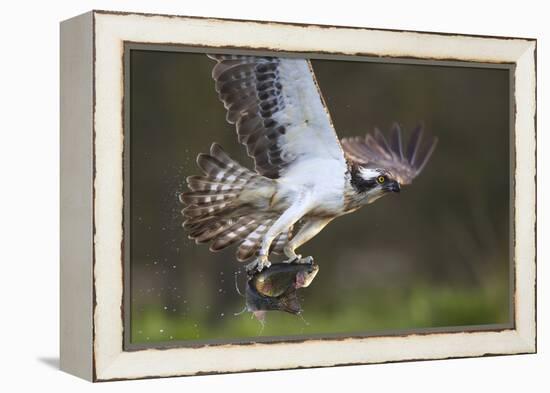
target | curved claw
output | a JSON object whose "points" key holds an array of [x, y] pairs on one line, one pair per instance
{"points": [[258, 264], [295, 259], [307, 260]]}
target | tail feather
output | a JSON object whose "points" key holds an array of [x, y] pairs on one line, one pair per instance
{"points": [[252, 243], [237, 232], [218, 191], [219, 167], [205, 197], [193, 224], [205, 233], [280, 241], [200, 183], [218, 152], [207, 209], [216, 212]]}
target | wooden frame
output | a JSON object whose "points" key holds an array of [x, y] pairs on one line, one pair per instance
{"points": [[92, 189]]}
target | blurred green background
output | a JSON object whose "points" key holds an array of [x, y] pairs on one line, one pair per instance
{"points": [[435, 255]]}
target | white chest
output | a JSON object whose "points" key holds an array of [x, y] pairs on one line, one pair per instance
{"points": [[322, 180]]}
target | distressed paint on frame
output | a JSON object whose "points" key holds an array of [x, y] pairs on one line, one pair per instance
{"points": [[112, 363]]}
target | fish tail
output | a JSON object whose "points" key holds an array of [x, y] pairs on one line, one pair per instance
{"points": [[289, 303]]}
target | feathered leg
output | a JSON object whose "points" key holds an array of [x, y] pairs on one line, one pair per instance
{"points": [[292, 215], [311, 228]]}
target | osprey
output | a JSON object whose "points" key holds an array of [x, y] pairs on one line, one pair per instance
{"points": [[304, 176]]}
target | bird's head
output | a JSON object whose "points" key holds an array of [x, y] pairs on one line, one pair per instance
{"points": [[373, 183]]}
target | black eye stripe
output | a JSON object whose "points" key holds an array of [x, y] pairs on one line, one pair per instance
{"points": [[379, 179]]}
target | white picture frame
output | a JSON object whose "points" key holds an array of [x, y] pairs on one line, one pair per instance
{"points": [[92, 194]]}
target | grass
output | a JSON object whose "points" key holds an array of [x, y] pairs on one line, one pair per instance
{"points": [[374, 310]]}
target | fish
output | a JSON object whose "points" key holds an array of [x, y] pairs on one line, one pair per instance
{"points": [[259, 304], [280, 277], [275, 288]]}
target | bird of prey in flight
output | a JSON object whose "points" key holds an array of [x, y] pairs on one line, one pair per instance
{"points": [[303, 177]]}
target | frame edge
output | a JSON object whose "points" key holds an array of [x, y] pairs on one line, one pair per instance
{"points": [[76, 196], [114, 363]]}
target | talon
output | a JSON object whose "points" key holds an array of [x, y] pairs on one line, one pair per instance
{"points": [[307, 260], [295, 259], [258, 264]]}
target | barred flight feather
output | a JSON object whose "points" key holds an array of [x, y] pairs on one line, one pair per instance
{"points": [[206, 233], [277, 109], [253, 240], [278, 245], [213, 211], [376, 150], [237, 232], [282, 120]]}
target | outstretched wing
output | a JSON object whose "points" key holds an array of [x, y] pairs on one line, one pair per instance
{"points": [[278, 111], [376, 150]]}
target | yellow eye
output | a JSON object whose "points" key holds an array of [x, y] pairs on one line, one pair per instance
{"points": [[381, 179]]}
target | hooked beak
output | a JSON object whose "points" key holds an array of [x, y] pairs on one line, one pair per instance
{"points": [[393, 186]]}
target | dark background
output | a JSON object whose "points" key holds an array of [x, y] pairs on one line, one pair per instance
{"points": [[435, 255]]}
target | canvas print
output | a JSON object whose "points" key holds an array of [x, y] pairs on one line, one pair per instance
{"points": [[283, 197]]}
